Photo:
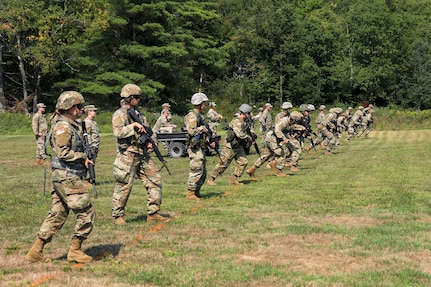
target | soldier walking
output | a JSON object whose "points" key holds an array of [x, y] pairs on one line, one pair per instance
{"points": [[69, 164], [236, 139]]}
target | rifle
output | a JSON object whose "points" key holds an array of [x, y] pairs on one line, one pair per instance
{"points": [[146, 136], [91, 171], [212, 138], [248, 125]]}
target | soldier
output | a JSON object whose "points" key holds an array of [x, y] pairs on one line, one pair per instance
{"points": [[257, 117], [133, 159], [163, 123], [236, 139], [273, 148], [69, 164], [306, 109], [320, 136], [286, 108], [40, 129], [214, 117], [92, 131], [329, 128], [341, 127], [197, 134], [367, 121], [266, 119], [355, 122], [295, 131]]}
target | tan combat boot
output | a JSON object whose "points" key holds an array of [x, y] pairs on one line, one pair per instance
{"points": [[280, 173], [251, 171], [35, 254], [272, 164], [158, 217], [38, 161], [211, 181], [294, 168], [76, 254], [233, 181], [191, 195], [120, 220]]}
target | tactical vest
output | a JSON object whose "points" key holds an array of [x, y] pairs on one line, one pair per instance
{"points": [[77, 167]]}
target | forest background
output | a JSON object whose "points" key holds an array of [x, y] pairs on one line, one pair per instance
{"points": [[339, 52]]}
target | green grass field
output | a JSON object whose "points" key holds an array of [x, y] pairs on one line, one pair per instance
{"points": [[359, 217]]}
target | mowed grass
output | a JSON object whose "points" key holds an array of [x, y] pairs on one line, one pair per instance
{"points": [[358, 217]]}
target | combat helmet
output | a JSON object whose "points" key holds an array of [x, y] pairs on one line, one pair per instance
{"points": [[68, 99], [311, 107], [286, 105], [130, 90], [245, 109], [304, 108], [295, 116], [198, 98], [322, 107]]}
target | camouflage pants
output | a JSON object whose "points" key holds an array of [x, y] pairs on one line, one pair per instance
{"points": [[295, 148], [329, 138], [272, 149], [69, 194], [226, 156], [40, 147], [127, 166], [198, 170]]}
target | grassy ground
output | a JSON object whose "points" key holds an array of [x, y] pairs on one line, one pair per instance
{"points": [[359, 217]]}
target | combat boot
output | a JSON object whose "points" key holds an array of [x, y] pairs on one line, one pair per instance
{"points": [[35, 254], [272, 164], [211, 181], [120, 220], [191, 195], [294, 168], [280, 173], [158, 217], [39, 161], [233, 181], [76, 254], [251, 171]]}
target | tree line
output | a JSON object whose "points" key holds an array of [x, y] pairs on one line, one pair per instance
{"points": [[342, 52]]}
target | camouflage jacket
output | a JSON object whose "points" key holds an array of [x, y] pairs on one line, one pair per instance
{"points": [[39, 124], [93, 133]]}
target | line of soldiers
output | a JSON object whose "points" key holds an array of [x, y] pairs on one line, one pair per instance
{"points": [[282, 142]]}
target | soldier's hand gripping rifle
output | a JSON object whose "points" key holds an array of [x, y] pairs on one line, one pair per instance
{"points": [[212, 138], [248, 125], [146, 137], [91, 170]]}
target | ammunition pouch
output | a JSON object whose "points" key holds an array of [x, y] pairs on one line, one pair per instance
{"points": [[74, 168]]}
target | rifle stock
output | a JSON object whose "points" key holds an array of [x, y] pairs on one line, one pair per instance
{"points": [[146, 136], [91, 170]]}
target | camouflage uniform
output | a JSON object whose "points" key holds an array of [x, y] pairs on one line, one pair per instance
{"points": [[265, 120], [93, 136], [367, 121], [233, 148], [196, 133], [329, 126], [214, 119], [69, 191], [162, 122], [320, 135], [355, 122], [40, 129], [288, 128], [133, 159]]}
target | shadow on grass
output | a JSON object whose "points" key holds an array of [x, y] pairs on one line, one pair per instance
{"points": [[99, 252]]}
